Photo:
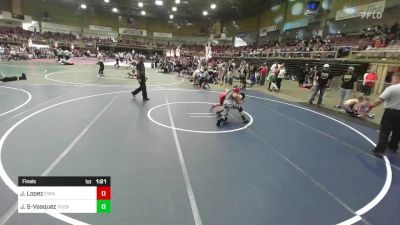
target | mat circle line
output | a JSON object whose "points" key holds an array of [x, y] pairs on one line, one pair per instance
{"points": [[195, 131], [20, 106]]}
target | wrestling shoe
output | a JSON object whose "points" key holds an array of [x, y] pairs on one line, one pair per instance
{"points": [[246, 121], [371, 116], [378, 154], [23, 77], [219, 122]]}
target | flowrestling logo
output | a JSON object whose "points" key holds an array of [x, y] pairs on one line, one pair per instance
{"points": [[372, 15]]}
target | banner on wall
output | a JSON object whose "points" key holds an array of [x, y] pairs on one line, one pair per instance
{"points": [[265, 30], [129, 31], [61, 28], [100, 28], [32, 26], [244, 34], [221, 36], [15, 17], [361, 10], [162, 35], [295, 24], [98, 33]]}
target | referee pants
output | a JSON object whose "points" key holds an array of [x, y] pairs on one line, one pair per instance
{"points": [[142, 88], [390, 124], [101, 70]]}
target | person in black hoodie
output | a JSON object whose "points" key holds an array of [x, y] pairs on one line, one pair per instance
{"points": [[349, 82], [303, 75], [323, 79], [3, 78]]}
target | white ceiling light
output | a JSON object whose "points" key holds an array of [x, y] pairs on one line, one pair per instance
{"points": [[159, 2], [140, 4], [115, 10], [106, 1], [174, 9], [83, 6], [143, 13], [171, 16], [205, 13], [177, 1], [213, 6]]}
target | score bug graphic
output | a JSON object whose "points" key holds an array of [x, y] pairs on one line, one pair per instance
{"points": [[64, 194]]}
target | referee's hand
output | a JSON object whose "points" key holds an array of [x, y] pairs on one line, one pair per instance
{"points": [[370, 107]]}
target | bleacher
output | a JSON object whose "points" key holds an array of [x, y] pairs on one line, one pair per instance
{"points": [[370, 44]]}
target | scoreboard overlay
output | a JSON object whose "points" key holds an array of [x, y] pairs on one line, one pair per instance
{"points": [[64, 194]]}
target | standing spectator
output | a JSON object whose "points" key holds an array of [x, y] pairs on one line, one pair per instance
{"points": [[273, 73], [122, 56], [349, 82], [100, 60], [312, 75], [390, 123], [67, 54], [243, 69], [264, 70], [116, 60], [60, 54], [388, 79], [222, 70], [304, 72], [255, 71], [141, 76], [281, 75], [230, 70], [2, 51], [323, 79], [369, 82]]}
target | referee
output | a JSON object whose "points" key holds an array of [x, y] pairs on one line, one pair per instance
{"points": [[390, 123], [100, 60], [141, 76]]}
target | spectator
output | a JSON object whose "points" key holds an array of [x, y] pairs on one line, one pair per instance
{"points": [[303, 74], [322, 79], [281, 75], [369, 82], [273, 73], [349, 80], [264, 70]]}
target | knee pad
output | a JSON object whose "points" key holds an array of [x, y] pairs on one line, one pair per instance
{"points": [[240, 109]]}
